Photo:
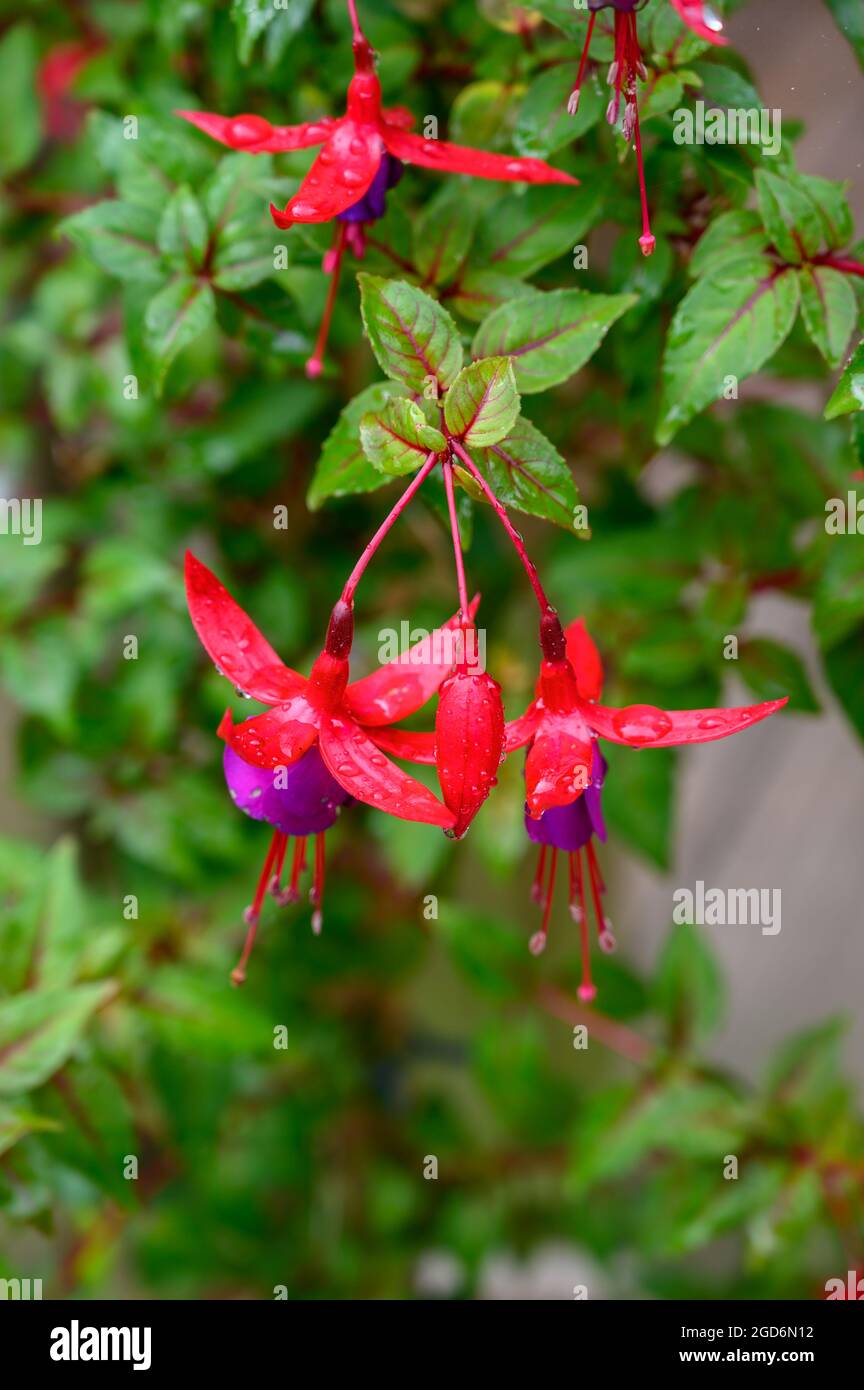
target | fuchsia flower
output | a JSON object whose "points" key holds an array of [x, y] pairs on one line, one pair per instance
{"points": [[362, 157], [565, 769], [322, 737], [627, 67]]}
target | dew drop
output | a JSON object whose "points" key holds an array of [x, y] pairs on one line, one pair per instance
{"points": [[641, 724]]}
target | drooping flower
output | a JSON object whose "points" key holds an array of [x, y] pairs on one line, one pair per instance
{"points": [[627, 68], [361, 158], [564, 770], [300, 801], [344, 721]]}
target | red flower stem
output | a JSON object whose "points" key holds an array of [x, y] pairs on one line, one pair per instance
{"points": [[843, 263], [516, 539], [616, 1036], [359, 36], [316, 361], [457, 543], [357, 572]]}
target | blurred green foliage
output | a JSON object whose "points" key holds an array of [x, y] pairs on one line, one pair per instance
{"points": [[153, 395]]}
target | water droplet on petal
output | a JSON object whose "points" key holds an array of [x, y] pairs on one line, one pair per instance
{"points": [[641, 724]]}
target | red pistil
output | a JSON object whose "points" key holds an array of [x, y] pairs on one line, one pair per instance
{"points": [[537, 885], [537, 944], [587, 990], [252, 914]]}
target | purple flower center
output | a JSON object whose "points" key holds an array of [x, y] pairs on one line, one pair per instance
{"points": [[302, 799], [373, 204], [571, 827]]}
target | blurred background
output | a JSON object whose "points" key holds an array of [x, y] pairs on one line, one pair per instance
{"points": [[399, 1108]]}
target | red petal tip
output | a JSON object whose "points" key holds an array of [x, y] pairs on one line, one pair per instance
{"points": [[283, 219]]}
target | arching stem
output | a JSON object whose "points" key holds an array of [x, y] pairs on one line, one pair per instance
{"points": [[357, 572]]}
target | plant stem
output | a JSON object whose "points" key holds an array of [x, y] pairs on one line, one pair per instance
{"points": [[843, 263], [355, 22], [457, 543], [357, 572], [516, 539]]}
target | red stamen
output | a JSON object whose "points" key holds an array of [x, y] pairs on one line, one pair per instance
{"points": [[332, 266], [537, 944], [587, 990], [537, 885], [251, 915], [278, 866], [647, 240], [316, 896], [291, 894], [605, 939], [573, 103]]}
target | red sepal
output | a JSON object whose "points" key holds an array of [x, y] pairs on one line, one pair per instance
{"points": [[368, 776], [461, 159], [274, 739], [585, 660], [518, 732], [401, 686], [414, 745], [469, 743], [339, 177], [558, 767], [256, 135], [693, 14], [645, 726], [233, 642]]}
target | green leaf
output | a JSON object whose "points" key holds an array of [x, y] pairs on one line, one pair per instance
{"points": [[238, 265], [850, 20], [520, 235], [120, 237], [343, 468], [733, 236], [830, 199], [443, 233], [39, 1031], [848, 394], [829, 309], [727, 326], [278, 22], [397, 438], [688, 988], [183, 232], [549, 335], [544, 123], [16, 1124], [482, 405], [620, 1131], [412, 337], [19, 100], [791, 218], [478, 292], [844, 667], [772, 671], [526, 471], [175, 316], [61, 918]]}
